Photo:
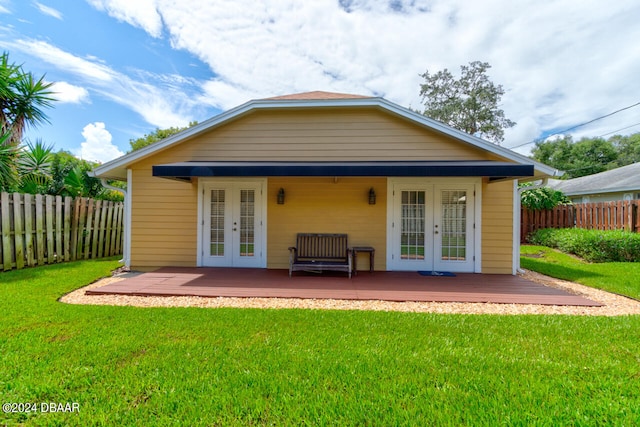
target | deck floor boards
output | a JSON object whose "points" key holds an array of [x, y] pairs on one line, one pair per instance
{"points": [[387, 286]]}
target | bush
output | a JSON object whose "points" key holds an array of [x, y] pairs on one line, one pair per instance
{"points": [[592, 245]]}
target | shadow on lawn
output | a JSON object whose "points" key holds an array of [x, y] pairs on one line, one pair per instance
{"points": [[542, 266]]}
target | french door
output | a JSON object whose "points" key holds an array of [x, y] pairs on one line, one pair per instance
{"points": [[232, 224], [432, 227]]}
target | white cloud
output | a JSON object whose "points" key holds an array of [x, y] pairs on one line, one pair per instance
{"points": [[139, 13], [48, 10], [97, 146], [67, 93], [557, 71], [162, 105], [561, 63]]}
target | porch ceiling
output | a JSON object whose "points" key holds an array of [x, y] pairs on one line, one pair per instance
{"points": [[490, 169]]}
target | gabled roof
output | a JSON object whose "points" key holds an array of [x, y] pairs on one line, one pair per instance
{"points": [[318, 95], [116, 169], [625, 178]]}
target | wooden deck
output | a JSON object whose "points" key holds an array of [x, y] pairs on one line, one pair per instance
{"points": [[388, 286]]}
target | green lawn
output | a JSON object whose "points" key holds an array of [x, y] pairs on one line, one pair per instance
{"points": [[190, 366], [619, 277]]}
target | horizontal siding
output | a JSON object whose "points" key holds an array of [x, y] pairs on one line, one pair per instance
{"points": [[163, 223], [497, 227], [334, 134], [318, 205]]}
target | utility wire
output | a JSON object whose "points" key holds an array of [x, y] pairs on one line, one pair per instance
{"points": [[618, 130], [580, 125]]}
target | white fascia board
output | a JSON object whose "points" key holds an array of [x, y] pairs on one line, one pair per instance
{"points": [[603, 191], [121, 162], [465, 137]]}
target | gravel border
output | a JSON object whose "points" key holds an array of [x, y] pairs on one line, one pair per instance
{"points": [[615, 305]]}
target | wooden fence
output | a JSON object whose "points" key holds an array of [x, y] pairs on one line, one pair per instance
{"points": [[620, 215], [39, 229]]}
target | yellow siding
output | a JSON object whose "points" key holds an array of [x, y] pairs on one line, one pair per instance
{"points": [[497, 229], [163, 223], [164, 212], [318, 205], [336, 134]]}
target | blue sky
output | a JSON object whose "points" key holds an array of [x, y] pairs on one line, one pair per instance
{"points": [[124, 67]]}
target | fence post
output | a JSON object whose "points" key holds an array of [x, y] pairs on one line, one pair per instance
{"points": [[7, 250], [28, 230], [67, 228], [18, 231]]}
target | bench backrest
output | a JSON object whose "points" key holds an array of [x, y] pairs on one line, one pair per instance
{"points": [[322, 246]]}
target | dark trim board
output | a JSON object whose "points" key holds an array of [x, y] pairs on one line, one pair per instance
{"points": [[491, 169]]}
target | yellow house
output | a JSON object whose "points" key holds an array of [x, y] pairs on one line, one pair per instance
{"points": [[235, 190]]}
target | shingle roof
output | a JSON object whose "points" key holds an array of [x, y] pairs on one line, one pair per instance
{"points": [[317, 94], [625, 178]]}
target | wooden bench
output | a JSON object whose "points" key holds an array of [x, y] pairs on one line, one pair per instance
{"points": [[320, 252]]}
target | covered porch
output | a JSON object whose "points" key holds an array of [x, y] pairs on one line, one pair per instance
{"points": [[380, 285]]}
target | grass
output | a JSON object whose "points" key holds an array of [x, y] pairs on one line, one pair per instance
{"points": [[191, 366], [618, 277]]}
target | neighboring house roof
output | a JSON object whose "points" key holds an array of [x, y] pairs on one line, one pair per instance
{"points": [[116, 169], [625, 178]]}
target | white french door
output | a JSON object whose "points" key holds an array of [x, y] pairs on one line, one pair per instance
{"points": [[232, 224], [432, 227]]}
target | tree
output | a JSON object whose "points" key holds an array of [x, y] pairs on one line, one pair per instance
{"points": [[543, 198], [628, 148], [157, 135], [22, 100], [585, 157], [469, 104], [34, 167], [8, 171]]}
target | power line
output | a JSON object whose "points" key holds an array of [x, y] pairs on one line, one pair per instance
{"points": [[580, 125], [618, 130]]}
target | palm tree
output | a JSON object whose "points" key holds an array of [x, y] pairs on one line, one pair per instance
{"points": [[23, 99], [34, 167], [8, 172]]}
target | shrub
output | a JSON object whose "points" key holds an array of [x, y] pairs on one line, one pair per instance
{"points": [[592, 245]]}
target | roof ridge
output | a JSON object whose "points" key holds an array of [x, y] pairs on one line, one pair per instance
{"points": [[316, 94]]}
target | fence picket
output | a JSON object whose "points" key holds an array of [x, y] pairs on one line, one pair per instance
{"points": [[28, 230], [7, 250], [67, 228], [59, 251], [18, 231]]}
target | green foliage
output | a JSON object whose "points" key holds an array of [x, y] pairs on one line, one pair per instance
{"points": [[194, 366], [628, 148], [543, 198], [589, 155], [8, 170], [469, 104], [23, 99], [34, 167], [592, 245], [157, 135]]}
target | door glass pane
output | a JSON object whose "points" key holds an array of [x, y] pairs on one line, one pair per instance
{"points": [[454, 225], [247, 222], [412, 225], [216, 242]]}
